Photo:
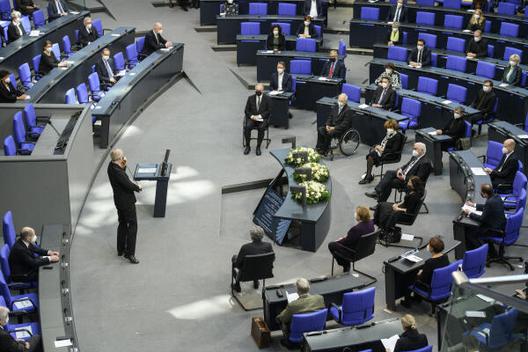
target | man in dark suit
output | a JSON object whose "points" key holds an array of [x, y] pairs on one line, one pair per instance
{"points": [[334, 67], [384, 95], [455, 128], [9, 93], [477, 46], [8, 343], [125, 202], [154, 41], [57, 9], [420, 56], [256, 246], [338, 122], [485, 100], [419, 165], [27, 7], [104, 70], [15, 29], [312, 8], [257, 113], [280, 80], [87, 34], [25, 258], [397, 13], [504, 173]]}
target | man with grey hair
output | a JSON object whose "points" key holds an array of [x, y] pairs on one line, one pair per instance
{"points": [[305, 303], [256, 246], [8, 343], [87, 34], [338, 122], [154, 41], [419, 165], [257, 113], [125, 202]]}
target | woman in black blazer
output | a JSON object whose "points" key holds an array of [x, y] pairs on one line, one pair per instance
{"points": [[411, 339], [512, 73], [306, 29], [391, 143], [276, 41], [48, 61], [477, 21]]}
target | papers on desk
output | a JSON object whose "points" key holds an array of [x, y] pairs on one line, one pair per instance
{"points": [[407, 237], [131, 73], [322, 78], [292, 296], [1, 58], [23, 304], [74, 12], [485, 298], [34, 33], [115, 35], [363, 106], [63, 343], [432, 133], [470, 11], [165, 49], [522, 136], [222, 14], [478, 171], [466, 31], [147, 170], [413, 258], [267, 51], [275, 92], [447, 102], [475, 314], [390, 343], [23, 332], [121, 73], [503, 85], [471, 210]]}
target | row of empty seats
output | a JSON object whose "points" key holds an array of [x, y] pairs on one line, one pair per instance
{"points": [[253, 28], [261, 9]]}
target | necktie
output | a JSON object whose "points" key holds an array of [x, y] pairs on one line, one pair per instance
{"points": [[59, 7], [109, 69], [410, 166], [419, 59], [156, 36], [19, 30], [504, 162], [258, 103], [381, 97], [331, 71], [339, 109]]}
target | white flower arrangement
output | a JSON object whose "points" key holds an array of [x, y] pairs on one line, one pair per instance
{"points": [[296, 161], [320, 173], [315, 192]]}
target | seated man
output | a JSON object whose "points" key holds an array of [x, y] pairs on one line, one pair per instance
{"points": [[397, 13], [421, 56], [504, 173], [334, 68], [15, 29], [281, 81], [485, 100], [104, 70], [454, 128], [419, 165], [338, 122], [8, 343], [22, 260], [57, 9], [477, 46], [304, 304], [27, 7], [257, 113], [256, 246], [8, 91], [154, 41], [383, 97], [87, 34]]}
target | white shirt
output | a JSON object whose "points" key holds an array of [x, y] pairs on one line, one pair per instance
{"points": [[279, 81], [313, 9], [411, 165]]}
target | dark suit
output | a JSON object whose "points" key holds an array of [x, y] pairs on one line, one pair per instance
{"points": [[339, 69], [251, 109], [153, 42], [473, 27], [23, 6], [9, 95], [47, 63], [402, 16], [455, 129], [426, 56], [350, 241], [23, 262], [421, 168], [411, 340], [87, 36], [125, 202], [505, 172], [484, 102], [480, 48], [491, 220], [53, 10], [515, 77], [252, 248], [9, 344], [311, 30], [13, 33], [340, 120], [280, 45], [286, 82], [308, 5], [387, 100], [104, 75], [386, 218]]}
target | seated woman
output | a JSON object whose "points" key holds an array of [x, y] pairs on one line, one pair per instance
{"points": [[394, 36], [276, 41], [48, 61], [364, 225], [391, 144], [9, 93], [411, 339], [512, 72], [306, 29], [230, 8], [477, 21], [391, 73], [454, 128]]}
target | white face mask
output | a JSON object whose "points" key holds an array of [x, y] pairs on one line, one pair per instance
{"points": [[419, 47], [160, 31], [388, 70], [477, 17], [229, 1], [106, 57], [276, 32], [384, 85], [390, 130], [89, 26], [47, 50], [457, 115], [486, 89], [415, 153], [34, 239], [477, 39], [280, 70], [7, 80], [340, 104], [512, 63], [505, 150], [306, 23]]}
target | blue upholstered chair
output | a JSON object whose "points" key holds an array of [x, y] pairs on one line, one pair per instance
{"points": [[19, 131], [8, 228], [474, 262], [404, 79], [411, 108], [95, 87], [250, 28], [509, 29], [24, 73], [427, 85], [119, 61], [486, 69], [70, 98], [512, 200], [140, 44], [285, 27], [509, 51], [429, 39], [132, 55], [341, 49], [456, 63], [30, 118], [318, 31], [82, 93], [9, 146], [452, 4], [300, 67], [425, 2], [31, 328], [5, 10], [456, 44], [6, 270], [493, 155], [352, 91], [98, 25], [38, 18], [55, 50], [370, 13], [425, 18], [14, 302], [66, 46], [286, 9], [26, 23], [456, 93], [506, 8], [397, 53], [306, 322], [357, 307], [258, 8], [425, 349], [453, 21], [498, 334], [306, 45]]}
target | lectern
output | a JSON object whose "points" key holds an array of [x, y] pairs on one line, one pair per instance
{"points": [[156, 172]]}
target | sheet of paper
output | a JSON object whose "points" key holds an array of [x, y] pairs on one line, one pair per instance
{"points": [[478, 171], [485, 298], [503, 85], [466, 31], [34, 33], [470, 11], [447, 102], [28, 97], [390, 343], [165, 49], [363, 106], [147, 170], [74, 12], [274, 92], [292, 296], [413, 258], [322, 79], [25, 332], [407, 237], [522, 136], [475, 314], [63, 343], [267, 51], [432, 133], [115, 35], [23, 304]]}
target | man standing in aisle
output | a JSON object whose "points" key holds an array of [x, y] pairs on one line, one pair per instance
{"points": [[125, 202]]}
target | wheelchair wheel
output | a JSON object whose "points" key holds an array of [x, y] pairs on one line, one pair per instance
{"points": [[349, 142]]}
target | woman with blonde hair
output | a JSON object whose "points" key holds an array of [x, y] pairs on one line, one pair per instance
{"points": [[411, 339], [477, 21]]}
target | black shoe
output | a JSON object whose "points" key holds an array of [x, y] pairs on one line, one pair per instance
{"points": [[258, 152], [366, 180], [132, 259], [256, 284], [372, 195], [236, 287], [290, 115], [247, 150], [346, 269], [406, 303]]}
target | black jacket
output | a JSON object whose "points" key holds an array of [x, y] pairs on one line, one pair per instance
{"points": [[9, 344], [426, 56], [475, 26], [388, 99], [286, 82], [515, 77], [23, 262], [422, 169], [411, 340], [307, 6], [492, 214], [480, 48], [393, 145], [47, 63], [53, 11], [86, 37], [455, 128], [281, 45], [252, 248], [123, 188], [151, 44], [392, 12], [264, 109], [311, 30], [429, 267], [411, 201], [12, 32], [484, 102], [339, 69], [508, 170], [341, 121], [9, 96], [102, 72]]}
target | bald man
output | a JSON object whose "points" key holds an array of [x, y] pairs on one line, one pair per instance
{"points": [[8, 343], [154, 41], [125, 202], [25, 258], [257, 113], [505, 172], [338, 122]]}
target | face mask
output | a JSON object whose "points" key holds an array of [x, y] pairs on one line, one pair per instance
{"points": [[477, 39], [280, 70], [276, 32], [229, 1], [384, 85], [388, 70], [34, 239], [457, 115], [47, 50], [419, 47], [106, 57], [7, 80], [505, 150], [306, 23], [258, 93], [390, 130], [415, 153], [160, 31], [512, 63], [477, 17], [89, 26], [340, 104], [486, 89]]}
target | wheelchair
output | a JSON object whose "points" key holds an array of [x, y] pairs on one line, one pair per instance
{"points": [[347, 143]]}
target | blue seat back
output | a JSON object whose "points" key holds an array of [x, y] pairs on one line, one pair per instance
{"points": [[352, 91], [411, 107], [474, 262], [250, 28], [425, 2], [258, 8], [469, 130], [493, 154], [285, 27], [26, 23], [301, 67], [286, 9], [456, 63], [36, 62], [30, 116], [8, 228], [98, 25], [519, 183], [509, 29], [318, 31], [513, 226], [9, 146], [452, 4], [66, 44], [430, 39], [5, 10], [427, 85], [306, 44], [442, 281], [119, 61], [456, 93], [94, 82], [404, 79], [370, 13], [70, 97], [456, 44], [425, 349], [358, 306], [5, 291], [38, 18], [501, 330], [397, 53], [486, 69], [4, 261], [19, 129], [82, 93], [425, 18], [55, 49], [509, 51], [4, 31], [306, 322], [453, 21], [132, 55], [506, 8], [24, 73], [140, 43], [341, 49]]}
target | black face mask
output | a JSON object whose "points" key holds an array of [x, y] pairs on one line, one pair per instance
{"points": [[258, 93]]}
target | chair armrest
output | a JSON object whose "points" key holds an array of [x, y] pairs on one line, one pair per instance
{"points": [[339, 311], [503, 187], [483, 157], [26, 330]]}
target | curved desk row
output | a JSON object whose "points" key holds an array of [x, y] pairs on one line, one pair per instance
{"points": [[26, 47], [52, 87], [501, 130], [365, 34], [495, 18], [513, 101], [135, 90]]}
